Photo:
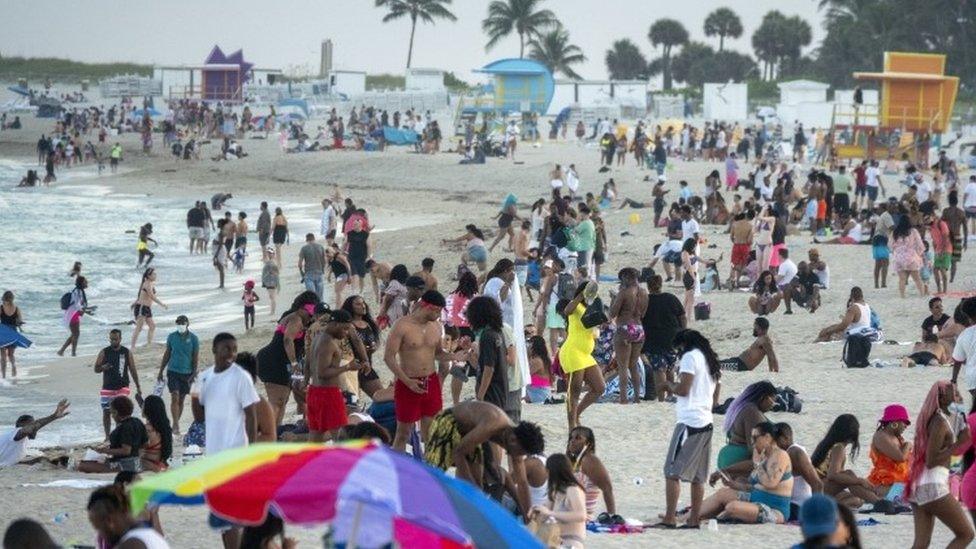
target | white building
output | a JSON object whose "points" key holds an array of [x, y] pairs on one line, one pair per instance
{"points": [[348, 83], [627, 94], [425, 80], [725, 101], [804, 101]]}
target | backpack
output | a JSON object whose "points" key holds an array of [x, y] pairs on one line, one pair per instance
{"points": [[565, 286], [787, 401], [857, 349], [66, 301]]}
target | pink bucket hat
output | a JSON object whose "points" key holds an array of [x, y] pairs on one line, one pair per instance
{"points": [[895, 412]]}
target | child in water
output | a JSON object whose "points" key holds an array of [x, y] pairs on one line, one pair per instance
{"points": [[249, 298]]}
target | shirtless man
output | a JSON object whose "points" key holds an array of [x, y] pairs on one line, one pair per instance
{"points": [[227, 232], [426, 272], [325, 407], [626, 311], [521, 247], [240, 231], [411, 350], [761, 348], [955, 218], [379, 275], [741, 234], [476, 423]]}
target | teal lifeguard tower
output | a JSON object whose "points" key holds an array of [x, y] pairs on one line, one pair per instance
{"points": [[519, 86]]}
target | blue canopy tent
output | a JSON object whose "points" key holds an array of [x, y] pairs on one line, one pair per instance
{"points": [[19, 90], [299, 104], [394, 136], [139, 113]]}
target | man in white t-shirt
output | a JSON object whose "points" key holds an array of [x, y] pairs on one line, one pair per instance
{"points": [[689, 226], [328, 226], [969, 203], [13, 444], [689, 452], [224, 399], [873, 175], [964, 356]]}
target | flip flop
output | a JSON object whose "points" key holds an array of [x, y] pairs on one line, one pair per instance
{"points": [[689, 527], [663, 526]]}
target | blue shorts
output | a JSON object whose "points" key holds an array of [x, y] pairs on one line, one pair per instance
{"points": [[872, 193], [880, 252], [478, 254], [660, 362]]}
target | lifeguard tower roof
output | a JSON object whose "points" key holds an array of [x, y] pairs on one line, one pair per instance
{"points": [[916, 94]]}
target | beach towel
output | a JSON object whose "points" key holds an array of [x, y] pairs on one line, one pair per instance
{"points": [[394, 136]]}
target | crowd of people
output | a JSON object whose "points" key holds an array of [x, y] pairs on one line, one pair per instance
{"points": [[526, 324]]}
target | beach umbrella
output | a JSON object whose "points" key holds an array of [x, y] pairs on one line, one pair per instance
{"points": [[369, 491], [9, 337]]}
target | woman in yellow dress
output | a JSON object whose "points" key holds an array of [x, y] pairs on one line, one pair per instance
{"points": [[576, 355]]}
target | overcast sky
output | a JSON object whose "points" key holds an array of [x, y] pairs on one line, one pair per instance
{"points": [[289, 32]]}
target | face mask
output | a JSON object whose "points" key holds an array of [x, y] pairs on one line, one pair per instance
{"points": [[958, 408], [182, 328]]}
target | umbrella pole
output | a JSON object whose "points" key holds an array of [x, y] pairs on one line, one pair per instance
{"points": [[354, 531]]}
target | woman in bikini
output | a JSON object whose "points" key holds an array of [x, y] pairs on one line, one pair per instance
{"points": [[279, 360], [764, 238], [142, 308], [156, 453], [505, 217], [765, 497], [591, 474], [928, 476], [767, 295], [340, 268], [626, 311], [829, 458], [565, 503], [279, 233]]}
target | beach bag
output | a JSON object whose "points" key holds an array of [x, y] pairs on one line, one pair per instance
{"points": [[857, 349], [66, 301], [703, 311], [547, 532], [787, 401], [594, 315], [565, 286]]}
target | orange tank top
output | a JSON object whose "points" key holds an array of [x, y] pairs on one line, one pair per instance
{"points": [[886, 471]]}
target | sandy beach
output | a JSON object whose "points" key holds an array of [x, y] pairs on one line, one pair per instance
{"points": [[415, 201]]}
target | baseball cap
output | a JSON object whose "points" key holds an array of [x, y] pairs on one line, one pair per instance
{"points": [[818, 516]]}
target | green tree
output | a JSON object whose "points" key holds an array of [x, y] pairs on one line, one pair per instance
{"points": [[723, 22], [554, 51], [667, 33], [522, 17], [685, 61], [779, 41], [626, 62], [422, 10]]}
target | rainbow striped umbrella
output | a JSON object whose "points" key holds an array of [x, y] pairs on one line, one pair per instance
{"points": [[369, 492]]}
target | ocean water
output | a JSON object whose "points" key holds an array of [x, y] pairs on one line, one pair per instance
{"points": [[44, 230]]}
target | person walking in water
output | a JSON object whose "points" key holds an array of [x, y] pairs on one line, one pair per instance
{"points": [[142, 308], [11, 318], [75, 305]]}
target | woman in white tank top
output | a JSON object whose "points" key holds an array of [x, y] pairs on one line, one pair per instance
{"points": [[858, 316]]}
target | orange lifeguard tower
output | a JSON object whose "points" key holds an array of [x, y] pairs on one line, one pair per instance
{"points": [[916, 101]]}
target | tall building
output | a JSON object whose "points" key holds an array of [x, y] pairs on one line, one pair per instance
{"points": [[326, 61]]}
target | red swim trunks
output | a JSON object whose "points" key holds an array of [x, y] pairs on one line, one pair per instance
{"points": [[740, 254], [822, 210], [325, 409], [410, 407]]}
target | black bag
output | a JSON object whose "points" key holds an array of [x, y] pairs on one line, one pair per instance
{"points": [[787, 401], [594, 314], [565, 286], [857, 349], [66, 301]]}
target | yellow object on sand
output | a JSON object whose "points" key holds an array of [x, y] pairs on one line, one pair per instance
{"points": [[634, 218]]}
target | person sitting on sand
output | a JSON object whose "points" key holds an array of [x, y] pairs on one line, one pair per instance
{"points": [[857, 317], [592, 475], [937, 319], [761, 348], [806, 481], [125, 441], [565, 503], [745, 412], [830, 460], [767, 295], [13, 444], [890, 453], [765, 497], [928, 352], [804, 289], [852, 231]]}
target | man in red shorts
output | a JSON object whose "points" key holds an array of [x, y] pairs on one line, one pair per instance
{"points": [[325, 407], [741, 233], [411, 350]]}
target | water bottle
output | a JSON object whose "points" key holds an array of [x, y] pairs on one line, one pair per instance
{"points": [[60, 518]]}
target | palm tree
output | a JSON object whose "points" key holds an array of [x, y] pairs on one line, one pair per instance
{"points": [[667, 33], [424, 10], [520, 16], [554, 51], [625, 61], [723, 22]]}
